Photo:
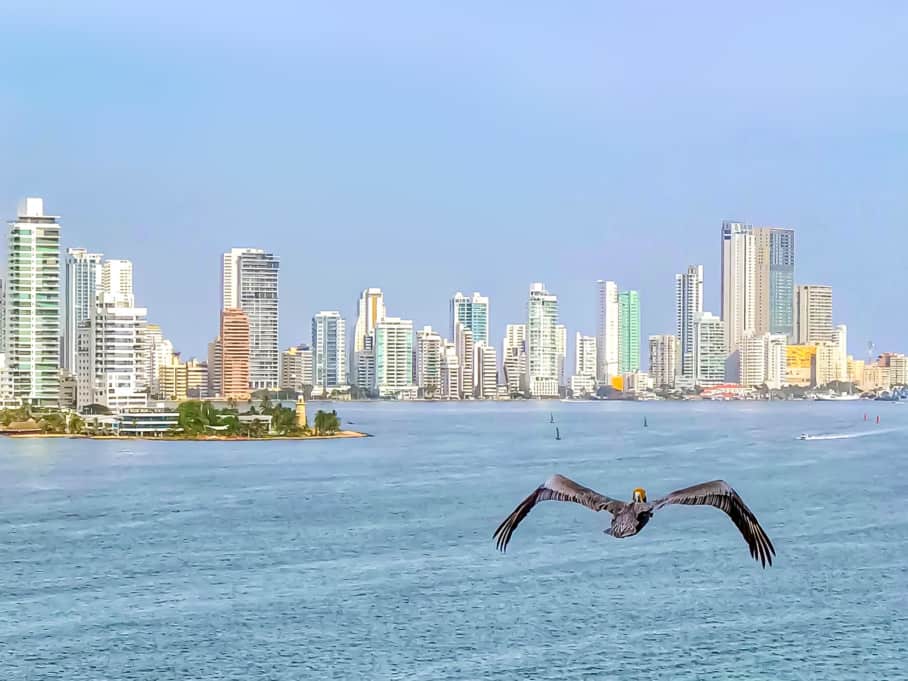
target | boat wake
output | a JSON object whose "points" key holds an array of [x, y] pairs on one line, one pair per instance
{"points": [[846, 436]]}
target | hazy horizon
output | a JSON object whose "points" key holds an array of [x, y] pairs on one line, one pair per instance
{"points": [[426, 150]]}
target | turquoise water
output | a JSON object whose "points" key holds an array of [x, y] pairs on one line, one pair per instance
{"points": [[373, 559]]}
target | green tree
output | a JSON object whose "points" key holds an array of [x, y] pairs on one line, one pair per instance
{"points": [[76, 424], [283, 421], [195, 417], [53, 422], [265, 405], [325, 423]]}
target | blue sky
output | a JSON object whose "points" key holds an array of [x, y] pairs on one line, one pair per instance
{"points": [[429, 147]]}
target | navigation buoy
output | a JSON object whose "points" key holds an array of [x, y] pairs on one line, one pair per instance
{"points": [[878, 420], [865, 417]]}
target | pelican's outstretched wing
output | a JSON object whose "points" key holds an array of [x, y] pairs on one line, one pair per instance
{"points": [[556, 488], [720, 494]]}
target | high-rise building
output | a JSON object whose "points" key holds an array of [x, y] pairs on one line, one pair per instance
{"points": [[296, 368], [184, 380], [663, 357], [370, 311], [738, 281], [429, 349], [463, 341], [214, 367], [230, 276], [258, 293], [111, 365], [3, 319], [608, 332], [799, 360], [157, 352], [473, 313], [584, 379], [584, 355], [394, 358], [329, 361], [776, 360], [709, 350], [82, 282], [688, 305], [628, 332], [542, 342], [774, 263], [752, 360], [514, 358], [450, 372], [116, 277], [826, 365], [486, 368], [813, 314], [234, 342], [841, 356], [561, 351], [33, 305], [7, 401]]}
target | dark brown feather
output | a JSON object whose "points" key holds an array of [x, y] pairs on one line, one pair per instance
{"points": [[556, 488], [721, 495]]}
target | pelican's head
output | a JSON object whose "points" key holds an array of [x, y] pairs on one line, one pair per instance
{"points": [[639, 494]]}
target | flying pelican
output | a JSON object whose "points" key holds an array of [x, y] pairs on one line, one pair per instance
{"points": [[629, 517]]}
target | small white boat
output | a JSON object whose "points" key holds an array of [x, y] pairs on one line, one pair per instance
{"points": [[833, 397]]}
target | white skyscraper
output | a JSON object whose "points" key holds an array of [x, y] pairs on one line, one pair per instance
{"points": [[33, 305], [116, 277], [688, 306], [813, 314], [485, 365], [157, 352], [585, 355], [585, 365], [608, 330], [542, 342], [258, 289], [110, 361], [3, 317], [370, 311], [394, 358], [776, 360], [230, 273], [738, 281], [709, 350], [561, 350], [841, 358], [429, 349], [82, 281], [450, 372], [329, 342], [514, 358], [663, 357], [463, 341]]}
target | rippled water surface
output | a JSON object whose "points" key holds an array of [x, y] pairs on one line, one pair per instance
{"points": [[373, 559]]}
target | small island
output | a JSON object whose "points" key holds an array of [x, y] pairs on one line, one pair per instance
{"points": [[191, 420]]}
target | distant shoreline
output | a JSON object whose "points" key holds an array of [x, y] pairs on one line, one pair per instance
{"points": [[340, 435]]}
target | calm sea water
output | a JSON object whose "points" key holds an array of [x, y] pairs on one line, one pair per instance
{"points": [[373, 559]]}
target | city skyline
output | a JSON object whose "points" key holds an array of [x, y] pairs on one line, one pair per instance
{"points": [[117, 274], [232, 258]]}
